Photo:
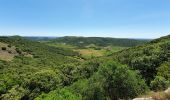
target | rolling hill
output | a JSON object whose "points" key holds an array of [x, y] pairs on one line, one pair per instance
{"points": [[98, 41]]}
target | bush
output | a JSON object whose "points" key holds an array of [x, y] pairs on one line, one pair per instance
{"points": [[63, 94], [159, 83], [15, 93], [164, 70], [45, 80], [9, 46], [121, 82], [10, 52], [3, 48], [18, 51], [89, 89]]}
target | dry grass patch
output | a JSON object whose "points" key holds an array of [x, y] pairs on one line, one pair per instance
{"points": [[6, 56], [88, 53], [159, 96], [8, 53]]}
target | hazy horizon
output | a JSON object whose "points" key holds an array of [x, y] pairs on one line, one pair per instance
{"points": [[79, 36]]}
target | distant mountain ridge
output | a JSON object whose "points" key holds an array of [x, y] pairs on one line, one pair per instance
{"points": [[99, 41], [40, 38]]}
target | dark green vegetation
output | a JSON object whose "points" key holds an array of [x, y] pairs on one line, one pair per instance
{"points": [[98, 41], [53, 70], [147, 58]]}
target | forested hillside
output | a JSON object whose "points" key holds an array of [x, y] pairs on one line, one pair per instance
{"points": [[24, 76], [147, 58], [46, 71], [98, 41]]}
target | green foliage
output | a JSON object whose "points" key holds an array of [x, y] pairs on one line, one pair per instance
{"points": [[60, 94], [162, 80], [82, 42], [164, 70], [89, 89], [112, 81], [73, 72], [120, 82], [44, 80], [58, 73], [15, 93], [159, 83], [46, 53], [146, 58]]}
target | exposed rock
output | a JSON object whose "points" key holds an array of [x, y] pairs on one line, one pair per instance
{"points": [[168, 90], [147, 98]]}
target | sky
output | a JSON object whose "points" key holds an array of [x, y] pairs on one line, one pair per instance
{"points": [[97, 18]]}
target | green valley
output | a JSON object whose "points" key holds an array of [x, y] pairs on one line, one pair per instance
{"points": [[82, 68]]}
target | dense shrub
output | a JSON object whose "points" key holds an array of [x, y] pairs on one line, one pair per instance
{"points": [[9, 46], [15, 93], [164, 70], [60, 94], [45, 80], [18, 51], [159, 83], [112, 81], [120, 82], [3, 48]]}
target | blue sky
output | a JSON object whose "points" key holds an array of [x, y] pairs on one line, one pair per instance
{"points": [[103, 18]]}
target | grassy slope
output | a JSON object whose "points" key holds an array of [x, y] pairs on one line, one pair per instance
{"points": [[88, 51], [7, 54], [39, 50]]}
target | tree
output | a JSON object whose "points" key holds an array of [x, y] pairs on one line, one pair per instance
{"points": [[120, 82]]}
